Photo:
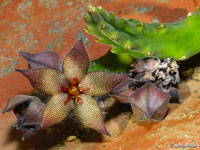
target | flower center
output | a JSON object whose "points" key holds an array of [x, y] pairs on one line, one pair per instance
{"points": [[73, 91]]}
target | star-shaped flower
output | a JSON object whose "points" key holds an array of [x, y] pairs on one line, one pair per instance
{"points": [[71, 88]]}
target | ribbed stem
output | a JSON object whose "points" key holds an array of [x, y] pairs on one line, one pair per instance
{"points": [[178, 39]]}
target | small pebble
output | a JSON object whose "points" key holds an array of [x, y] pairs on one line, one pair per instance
{"points": [[71, 138], [77, 141]]}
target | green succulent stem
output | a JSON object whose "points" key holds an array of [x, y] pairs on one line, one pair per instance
{"points": [[178, 40]]}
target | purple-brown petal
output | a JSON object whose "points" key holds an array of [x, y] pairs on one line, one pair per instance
{"points": [[100, 83], [76, 63], [47, 81], [56, 111], [173, 92], [28, 132], [149, 102], [32, 119], [122, 91], [17, 100], [90, 114], [46, 59], [29, 112], [34, 113]]}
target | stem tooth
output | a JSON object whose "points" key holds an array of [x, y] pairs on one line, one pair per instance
{"points": [[128, 47], [97, 40], [198, 8], [103, 26], [189, 14], [111, 15], [112, 51], [114, 37], [183, 57], [148, 53], [124, 20], [141, 24], [162, 26], [86, 30], [99, 7], [91, 8], [87, 18]]}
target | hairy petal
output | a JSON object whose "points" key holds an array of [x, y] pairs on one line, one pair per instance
{"points": [[90, 114], [46, 59], [100, 83], [76, 63], [47, 81], [56, 111]]}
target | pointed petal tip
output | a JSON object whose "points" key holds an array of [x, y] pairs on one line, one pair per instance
{"points": [[46, 59], [81, 40], [22, 53], [108, 134], [29, 133], [80, 45], [19, 70], [25, 55], [105, 131], [24, 72], [3, 111], [6, 109], [24, 137]]}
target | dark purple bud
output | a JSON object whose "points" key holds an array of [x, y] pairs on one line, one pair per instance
{"points": [[33, 113], [173, 92], [29, 112], [145, 64], [43, 60], [122, 91], [149, 102]]}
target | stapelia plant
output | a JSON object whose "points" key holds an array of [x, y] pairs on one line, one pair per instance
{"points": [[152, 79], [149, 87], [71, 89], [141, 39]]}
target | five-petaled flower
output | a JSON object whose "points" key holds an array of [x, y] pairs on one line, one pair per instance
{"points": [[71, 87]]}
